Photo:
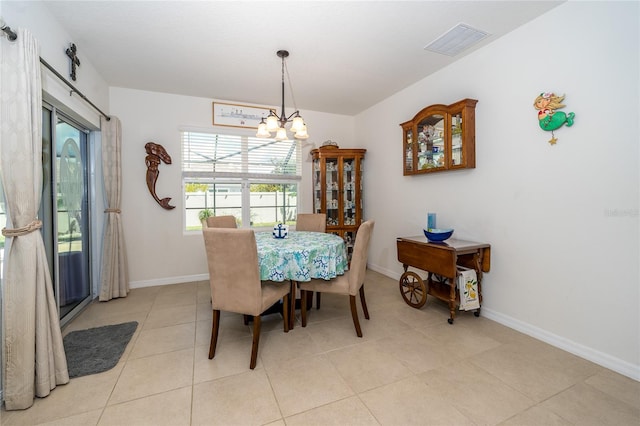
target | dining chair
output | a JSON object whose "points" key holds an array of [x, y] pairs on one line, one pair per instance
{"points": [[234, 276], [351, 283], [312, 222], [228, 221]]}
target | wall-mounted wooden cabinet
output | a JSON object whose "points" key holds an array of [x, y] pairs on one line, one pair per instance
{"points": [[337, 190], [440, 138]]}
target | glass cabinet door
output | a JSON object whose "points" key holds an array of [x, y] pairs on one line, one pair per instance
{"points": [[333, 192], [408, 150], [317, 186], [431, 143], [457, 153], [349, 191], [361, 204]]}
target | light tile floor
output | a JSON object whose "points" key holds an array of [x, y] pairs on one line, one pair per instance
{"points": [[411, 367]]}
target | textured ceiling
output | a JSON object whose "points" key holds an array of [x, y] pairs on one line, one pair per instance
{"points": [[344, 56]]}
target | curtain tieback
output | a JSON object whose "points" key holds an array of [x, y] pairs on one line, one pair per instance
{"points": [[17, 232], [112, 211]]}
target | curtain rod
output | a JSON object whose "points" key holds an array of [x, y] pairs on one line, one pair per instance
{"points": [[12, 36], [73, 89]]}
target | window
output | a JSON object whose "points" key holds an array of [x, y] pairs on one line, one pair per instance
{"points": [[256, 180]]}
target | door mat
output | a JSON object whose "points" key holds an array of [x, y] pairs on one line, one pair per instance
{"points": [[97, 349]]}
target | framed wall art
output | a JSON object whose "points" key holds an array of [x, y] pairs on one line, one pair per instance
{"points": [[236, 115]]}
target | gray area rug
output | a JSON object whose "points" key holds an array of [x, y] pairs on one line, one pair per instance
{"points": [[97, 349]]}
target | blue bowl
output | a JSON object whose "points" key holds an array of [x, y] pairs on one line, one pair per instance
{"points": [[435, 234]]}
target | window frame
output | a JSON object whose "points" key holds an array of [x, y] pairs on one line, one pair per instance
{"points": [[244, 178]]}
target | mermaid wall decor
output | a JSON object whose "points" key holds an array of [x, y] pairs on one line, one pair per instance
{"points": [[156, 154], [549, 119]]}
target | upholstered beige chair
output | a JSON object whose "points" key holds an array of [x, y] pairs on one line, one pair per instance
{"points": [[234, 276], [351, 283], [312, 222], [228, 221]]}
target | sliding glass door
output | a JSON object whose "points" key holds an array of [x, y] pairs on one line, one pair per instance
{"points": [[65, 211]]}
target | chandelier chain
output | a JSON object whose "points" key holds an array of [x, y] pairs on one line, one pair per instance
{"points": [[293, 98]]}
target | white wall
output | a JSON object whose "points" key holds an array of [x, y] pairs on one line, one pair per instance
{"points": [[562, 220], [53, 41], [158, 249]]}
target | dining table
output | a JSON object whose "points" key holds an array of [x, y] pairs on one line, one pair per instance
{"points": [[299, 257]]}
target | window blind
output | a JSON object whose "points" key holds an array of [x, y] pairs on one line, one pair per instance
{"points": [[223, 155]]}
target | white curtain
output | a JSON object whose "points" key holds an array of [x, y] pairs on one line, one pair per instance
{"points": [[34, 358], [114, 280]]}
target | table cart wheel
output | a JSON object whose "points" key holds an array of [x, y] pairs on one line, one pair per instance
{"points": [[413, 289]]}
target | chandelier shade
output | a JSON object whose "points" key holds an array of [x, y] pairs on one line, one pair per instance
{"points": [[276, 123]]}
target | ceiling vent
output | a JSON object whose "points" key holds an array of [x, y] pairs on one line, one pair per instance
{"points": [[457, 39]]}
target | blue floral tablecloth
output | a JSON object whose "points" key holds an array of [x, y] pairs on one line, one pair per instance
{"points": [[301, 256]]}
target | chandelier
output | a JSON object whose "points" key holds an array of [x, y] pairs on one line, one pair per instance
{"points": [[276, 123]]}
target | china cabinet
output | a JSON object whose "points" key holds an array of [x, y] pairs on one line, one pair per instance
{"points": [[440, 138], [337, 190]]}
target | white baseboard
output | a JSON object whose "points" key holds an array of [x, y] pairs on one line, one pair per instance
{"points": [[385, 272], [605, 360], [169, 280]]}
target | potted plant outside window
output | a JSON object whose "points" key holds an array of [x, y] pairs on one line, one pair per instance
{"points": [[203, 215]]}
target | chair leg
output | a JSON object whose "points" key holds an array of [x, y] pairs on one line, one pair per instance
{"points": [[292, 305], [285, 312], [246, 319], [354, 315], [364, 302], [318, 294], [256, 340], [303, 307], [215, 325]]}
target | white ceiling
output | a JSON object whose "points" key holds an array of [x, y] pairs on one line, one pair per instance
{"points": [[345, 56]]}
